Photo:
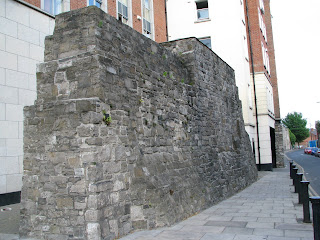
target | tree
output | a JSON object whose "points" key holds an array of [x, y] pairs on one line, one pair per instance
{"points": [[292, 138], [297, 125]]}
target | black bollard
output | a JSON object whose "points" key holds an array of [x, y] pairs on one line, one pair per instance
{"points": [[295, 171], [304, 191], [298, 185], [291, 162], [316, 216], [292, 173]]}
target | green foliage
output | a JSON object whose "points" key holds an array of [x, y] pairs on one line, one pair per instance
{"points": [[165, 74], [318, 127], [297, 125], [100, 24], [106, 117], [182, 80], [293, 138]]}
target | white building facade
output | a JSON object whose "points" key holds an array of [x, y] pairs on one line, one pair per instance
{"points": [[221, 25], [22, 34]]}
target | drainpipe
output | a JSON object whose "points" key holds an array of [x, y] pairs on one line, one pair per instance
{"points": [[165, 10], [254, 85]]}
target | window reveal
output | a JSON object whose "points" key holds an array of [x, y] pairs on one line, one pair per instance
{"points": [[123, 11], [202, 10], [147, 30]]}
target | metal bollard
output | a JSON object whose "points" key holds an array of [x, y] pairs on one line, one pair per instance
{"points": [[316, 216], [298, 185], [295, 171], [304, 191], [292, 173], [291, 162]]}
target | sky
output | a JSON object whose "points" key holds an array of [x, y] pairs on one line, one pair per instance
{"points": [[296, 34]]}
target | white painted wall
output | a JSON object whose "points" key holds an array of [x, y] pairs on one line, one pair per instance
{"points": [[265, 116], [22, 34], [228, 39]]}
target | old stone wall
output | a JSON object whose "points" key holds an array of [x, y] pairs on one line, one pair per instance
{"points": [[280, 143], [175, 143]]}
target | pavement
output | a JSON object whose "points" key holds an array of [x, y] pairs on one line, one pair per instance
{"points": [[266, 210]]}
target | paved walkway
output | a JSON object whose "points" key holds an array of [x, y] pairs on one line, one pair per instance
{"points": [[267, 210]]}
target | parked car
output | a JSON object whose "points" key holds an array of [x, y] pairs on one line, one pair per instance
{"points": [[317, 153], [307, 150], [314, 150]]}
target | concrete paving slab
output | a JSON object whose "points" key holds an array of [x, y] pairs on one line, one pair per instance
{"points": [[236, 214], [203, 229], [301, 226], [178, 235], [219, 218], [296, 233], [4, 236], [238, 231], [270, 220], [268, 232], [245, 219], [249, 237], [221, 236], [282, 238], [226, 224], [260, 225]]}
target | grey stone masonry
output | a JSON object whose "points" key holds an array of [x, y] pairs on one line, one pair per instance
{"points": [[279, 143], [128, 134]]}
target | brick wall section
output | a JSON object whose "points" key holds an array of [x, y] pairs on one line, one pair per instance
{"points": [[136, 11], [75, 4], [176, 143], [273, 69], [158, 9], [256, 36], [160, 21], [36, 3], [160, 25], [112, 8]]}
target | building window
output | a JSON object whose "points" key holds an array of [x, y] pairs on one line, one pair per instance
{"points": [[53, 7], [97, 3], [147, 18], [206, 41], [265, 57], [261, 6], [123, 11], [202, 10]]}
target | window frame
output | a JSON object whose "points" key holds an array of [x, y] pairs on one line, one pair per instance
{"points": [[103, 4], [202, 9], [95, 3], [147, 31], [206, 38], [55, 8]]}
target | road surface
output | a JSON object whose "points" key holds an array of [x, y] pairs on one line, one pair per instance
{"points": [[311, 167]]}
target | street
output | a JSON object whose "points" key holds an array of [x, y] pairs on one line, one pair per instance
{"points": [[311, 166]]}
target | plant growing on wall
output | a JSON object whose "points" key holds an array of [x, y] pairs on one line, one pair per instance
{"points": [[106, 118]]}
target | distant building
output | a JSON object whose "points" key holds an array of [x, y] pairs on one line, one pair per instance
{"points": [[146, 16], [312, 137], [23, 28], [263, 72]]}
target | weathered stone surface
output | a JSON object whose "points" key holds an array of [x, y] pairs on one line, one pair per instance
{"points": [[126, 133]]}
